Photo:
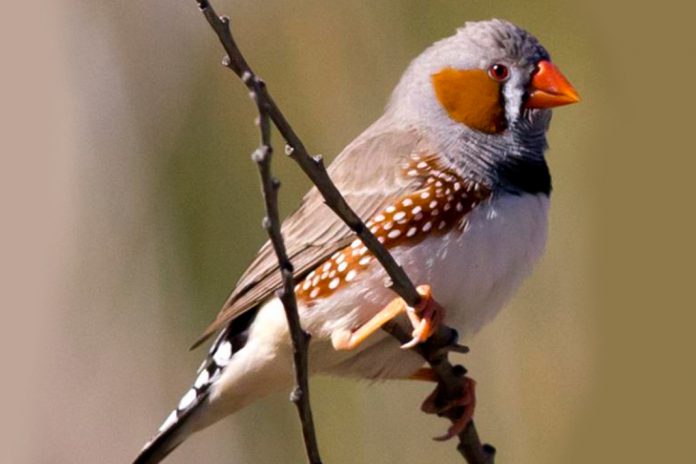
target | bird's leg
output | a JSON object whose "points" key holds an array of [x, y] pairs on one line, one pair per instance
{"points": [[347, 340], [436, 403], [424, 318]]}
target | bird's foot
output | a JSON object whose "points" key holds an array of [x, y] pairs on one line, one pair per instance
{"points": [[466, 402], [425, 319]]}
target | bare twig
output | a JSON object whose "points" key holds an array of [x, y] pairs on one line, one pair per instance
{"points": [[435, 351], [271, 223]]}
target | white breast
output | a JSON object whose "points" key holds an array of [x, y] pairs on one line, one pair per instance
{"points": [[474, 272]]}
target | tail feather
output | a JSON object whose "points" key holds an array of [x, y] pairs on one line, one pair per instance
{"points": [[175, 429], [181, 422], [194, 412]]}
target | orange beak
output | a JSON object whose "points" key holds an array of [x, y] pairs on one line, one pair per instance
{"points": [[549, 88]]}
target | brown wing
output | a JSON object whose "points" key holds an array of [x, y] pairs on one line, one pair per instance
{"points": [[368, 175]]}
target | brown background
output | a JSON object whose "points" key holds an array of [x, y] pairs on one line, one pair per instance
{"points": [[129, 208]]}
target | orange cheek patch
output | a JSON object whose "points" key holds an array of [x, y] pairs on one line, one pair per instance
{"points": [[472, 98]]}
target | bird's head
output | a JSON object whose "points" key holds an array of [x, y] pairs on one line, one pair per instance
{"points": [[487, 77]]}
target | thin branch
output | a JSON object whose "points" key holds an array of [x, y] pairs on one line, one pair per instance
{"points": [[271, 223], [300, 338], [434, 351]]}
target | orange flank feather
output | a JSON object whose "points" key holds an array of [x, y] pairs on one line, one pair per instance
{"points": [[472, 98], [441, 204]]}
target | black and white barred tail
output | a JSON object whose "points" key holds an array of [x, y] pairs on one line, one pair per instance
{"points": [[184, 420]]}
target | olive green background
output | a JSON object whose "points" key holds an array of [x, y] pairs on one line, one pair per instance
{"points": [[130, 207]]}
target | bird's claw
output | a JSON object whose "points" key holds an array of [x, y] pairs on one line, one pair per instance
{"points": [[466, 402], [425, 317]]}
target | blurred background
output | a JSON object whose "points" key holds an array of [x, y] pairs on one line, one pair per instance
{"points": [[130, 207]]}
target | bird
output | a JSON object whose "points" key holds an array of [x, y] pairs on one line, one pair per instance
{"points": [[451, 179]]}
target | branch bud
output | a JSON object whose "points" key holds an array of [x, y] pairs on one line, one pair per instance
{"points": [[296, 395], [266, 223], [259, 155]]}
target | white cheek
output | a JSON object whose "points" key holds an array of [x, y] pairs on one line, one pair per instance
{"points": [[513, 92]]}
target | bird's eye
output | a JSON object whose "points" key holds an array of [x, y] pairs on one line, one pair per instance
{"points": [[499, 72]]}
